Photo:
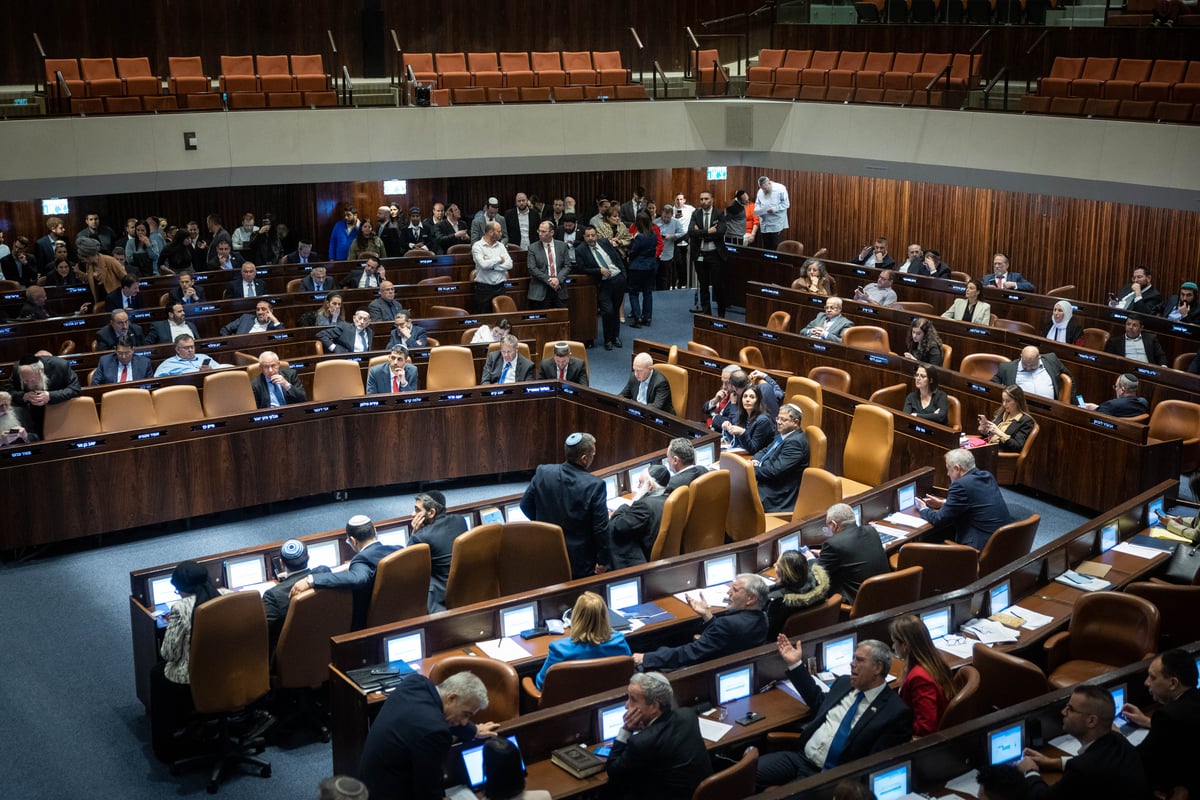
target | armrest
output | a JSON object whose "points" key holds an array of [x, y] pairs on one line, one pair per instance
{"points": [[1058, 650], [530, 688]]}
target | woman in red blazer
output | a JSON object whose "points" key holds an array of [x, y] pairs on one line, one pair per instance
{"points": [[926, 685]]}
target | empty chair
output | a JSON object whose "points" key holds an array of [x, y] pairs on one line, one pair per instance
{"points": [[932, 65], [702, 350], [668, 542], [810, 619], [137, 77], [448, 311], [962, 706], [1178, 419], [819, 490], [100, 77], [751, 356], [1067, 106], [548, 69], [308, 73], [1136, 109], [337, 379], [452, 70], [791, 246], [631, 91], [831, 378], [1172, 112], [964, 72], [793, 64], [571, 680], [1010, 467], [708, 508], [818, 446], [1179, 625], [947, 566], [779, 321], [868, 337], [870, 76], [69, 68], [609, 71], [1129, 74], [1099, 107], [1062, 72], [1187, 90], [1096, 72], [807, 386], [708, 73], [890, 396], [422, 67], [1163, 77], [982, 366], [568, 94], [77, 417], [126, 409], [1108, 630], [1034, 104], [237, 74], [1004, 679], [817, 71], [868, 449], [678, 379], [764, 70], [468, 95], [485, 70], [579, 69], [274, 74], [903, 67], [450, 368], [401, 588], [849, 63], [474, 572], [1008, 543], [745, 518], [503, 304], [227, 392], [886, 592], [532, 555], [1067, 291], [731, 782], [300, 663], [177, 404], [515, 67], [501, 680]]}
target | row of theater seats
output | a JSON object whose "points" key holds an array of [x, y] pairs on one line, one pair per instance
{"points": [[844, 94], [1137, 13], [975, 12], [1108, 108], [868, 70], [1123, 79], [516, 69], [536, 94]]}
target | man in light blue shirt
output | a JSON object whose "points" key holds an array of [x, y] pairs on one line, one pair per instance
{"points": [[186, 359], [771, 205]]}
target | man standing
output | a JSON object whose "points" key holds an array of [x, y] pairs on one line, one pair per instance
{"points": [[384, 308], [491, 213], [348, 338], [94, 230], [973, 503], [121, 365], [276, 385], [852, 553], [397, 375], [431, 525], [670, 230], [1001, 278], [389, 231], [359, 577], [780, 465], [39, 381], [492, 264], [522, 222], [557, 213], [771, 205], [216, 235], [1137, 344], [742, 625], [633, 206], [263, 319], [569, 496], [506, 364], [44, 250], [659, 753], [707, 232], [1037, 374], [633, 528], [412, 237], [679, 270], [343, 235], [452, 230], [250, 285], [735, 218], [647, 385], [829, 324], [601, 260], [876, 255], [563, 366], [175, 324], [1138, 295], [1126, 403], [548, 267], [1168, 750]]}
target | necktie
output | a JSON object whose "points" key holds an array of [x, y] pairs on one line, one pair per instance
{"points": [[602, 258], [550, 258], [362, 341], [125, 300], [249, 290], [276, 394], [643, 388], [843, 733], [999, 282], [504, 372], [395, 383], [562, 373], [771, 449], [706, 225], [124, 375]]}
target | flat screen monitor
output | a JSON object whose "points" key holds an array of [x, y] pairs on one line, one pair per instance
{"points": [[1198, 670], [396, 537], [491, 516], [473, 761], [906, 497], [1153, 509], [937, 622], [735, 684], [637, 475], [705, 455], [1110, 534], [513, 513], [891, 783], [407, 647], [468, 521], [789, 542], [518, 618], [625, 594], [998, 598], [324, 554], [719, 571], [836, 654], [857, 514], [610, 720], [244, 571], [1006, 744], [162, 591], [611, 489]]}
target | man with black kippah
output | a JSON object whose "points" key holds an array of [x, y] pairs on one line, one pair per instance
{"points": [[431, 525], [277, 599]]}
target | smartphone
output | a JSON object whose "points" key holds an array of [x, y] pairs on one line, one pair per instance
{"points": [[1079, 400], [603, 752]]}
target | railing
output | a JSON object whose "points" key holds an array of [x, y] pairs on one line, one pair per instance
{"points": [[347, 87], [987, 90], [1045, 57], [335, 60], [39, 72], [638, 53], [397, 75], [658, 73]]}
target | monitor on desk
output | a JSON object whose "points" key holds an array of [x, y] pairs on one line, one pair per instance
{"points": [[939, 622], [705, 455], [1005, 745], [719, 571], [513, 513], [906, 497], [1110, 534], [468, 521], [395, 537], [609, 721], [162, 591], [789, 542], [324, 554], [857, 514], [836, 654], [244, 571], [611, 489], [637, 475], [1118, 696], [1153, 509], [891, 783], [518, 618], [473, 763], [625, 594], [998, 598], [491, 516], [735, 684], [407, 647]]}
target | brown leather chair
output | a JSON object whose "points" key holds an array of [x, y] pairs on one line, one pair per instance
{"points": [[1004, 679], [673, 354], [458, 249], [810, 414], [447, 311], [229, 668], [1008, 543], [126, 409], [522, 349], [779, 321], [337, 379], [982, 366], [177, 404], [1178, 419], [532, 555], [884, 592], [401, 588], [227, 392], [708, 508], [890, 396], [578, 350], [818, 446], [571, 680], [1095, 338], [819, 489], [1010, 467], [962, 706], [503, 304], [791, 246], [75, 417], [450, 368], [799, 384], [474, 572], [705, 350], [815, 618], [435, 279], [914, 307], [678, 379], [503, 684], [868, 449], [670, 530], [1067, 291], [1179, 624], [953, 411], [947, 566], [1014, 325], [751, 356], [301, 661], [1182, 361], [831, 378], [745, 518], [731, 783], [867, 337], [1108, 630]]}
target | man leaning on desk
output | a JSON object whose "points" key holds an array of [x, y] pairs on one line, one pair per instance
{"points": [[973, 502], [742, 625], [359, 577]]}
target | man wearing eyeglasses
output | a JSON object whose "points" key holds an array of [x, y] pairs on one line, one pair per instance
{"points": [[829, 324]]}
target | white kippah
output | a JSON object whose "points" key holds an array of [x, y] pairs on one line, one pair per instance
{"points": [[359, 519]]}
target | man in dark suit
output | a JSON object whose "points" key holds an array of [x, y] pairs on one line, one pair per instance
{"points": [[973, 503], [1168, 749], [263, 319], [667, 758], [706, 232], [568, 496], [412, 236], [118, 326], [384, 308], [780, 465], [317, 280], [1126, 403], [852, 553], [277, 600], [121, 365], [647, 385], [128, 296], [876, 255], [216, 235], [681, 460], [176, 323], [249, 285], [742, 625], [506, 364], [395, 375], [303, 254], [1107, 765], [1182, 307], [359, 577], [1035, 372], [1138, 295], [369, 276], [631, 207], [44, 251], [1137, 344], [633, 528], [601, 260], [187, 292], [19, 265], [870, 716], [451, 230], [349, 338], [1001, 278], [431, 525], [548, 268], [39, 381], [522, 222], [564, 366], [275, 384]]}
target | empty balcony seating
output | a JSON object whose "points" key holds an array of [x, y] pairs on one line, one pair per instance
{"points": [[1096, 72], [1162, 80], [1130, 72], [485, 70], [1062, 72], [517, 72]]}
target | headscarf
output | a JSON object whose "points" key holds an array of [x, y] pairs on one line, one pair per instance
{"points": [[1058, 330], [192, 578]]}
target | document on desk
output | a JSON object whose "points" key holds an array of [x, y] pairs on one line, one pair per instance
{"points": [[712, 595], [990, 632], [891, 530], [712, 730], [959, 646], [1032, 619], [1077, 580], [786, 687], [503, 649], [618, 502], [1136, 550], [967, 783], [1067, 743], [905, 520]]}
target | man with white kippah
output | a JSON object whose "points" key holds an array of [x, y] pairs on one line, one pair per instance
{"points": [[359, 577], [771, 205]]}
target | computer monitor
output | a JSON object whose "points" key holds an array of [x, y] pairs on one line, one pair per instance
{"points": [[469, 521], [906, 497], [324, 554], [857, 514], [1198, 670], [396, 537], [637, 475], [998, 598], [838, 653], [513, 513], [609, 721], [611, 489], [938, 622], [1006, 744], [244, 571], [473, 761], [789, 542], [705, 455], [162, 591], [718, 571], [407, 647], [625, 594], [735, 684], [1110, 534], [891, 783], [1153, 509], [518, 618], [491, 516]]}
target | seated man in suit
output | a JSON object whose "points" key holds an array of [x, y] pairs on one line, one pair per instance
{"points": [[359, 577], [121, 365], [829, 324], [933, 266], [187, 292], [633, 528], [1034, 372], [1137, 344], [667, 757], [317, 280], [681, 461], [973, 502], [564, 367], [223, 257], [431, 525], [397, 375], [507, 365], [275, 384], [303, 254], [1126, 403], [345, 337], [780, 465], [263, 319], [860, 715], [1182, 307], [384, 308], [1107, 764], [1001, 278], [1138, 295], [852, 553], [1166, 751], [118, 326], [176, 323], [249, 285], [406, 333], [742, 625], [368, 276], [648, 385], [277, 599], [129, 296]]}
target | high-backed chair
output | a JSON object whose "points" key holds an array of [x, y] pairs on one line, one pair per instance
{"points": [[764, 70], [447, 311], [890, 396], [1178, 419], [1096, 73], [1163, 77], [503, 304], [485, 69], [914, 307], [818, 444], [1004, 679], [401, 588], [501, 680], [953, 411], [947, 566], [1008, 543], [831, 378], [578, 66], [532, 555], [670, 529], [69, 68], [1108, 630], [136, 75], [450, 367], [126, 409], [578, 350], [868, 449], [1014, 325], [301, 660], [1062, 72], [452, 70], [703, 350], [1067, 291], [982, 366], [76, 417], [474, 566], [810, 619], [515, 67], [746, 518], [609, 71], [522, 349], [884, 592], [779, 321], [548, 68], [962, 706], [422, 67], [673, 354], [309, 73], [795, 62], [100, 77], [819, 490], [571, 680], [677, 377], [867, 337], [177, 404], [227, 392], [1010, 467], [751, 356], [336, 379], [274, 74], [1095, 338], [229, 668], [708, 508], [791, 246], [237, 74], [731, 782], [811, 417], [1179, 624], [187, 76]]}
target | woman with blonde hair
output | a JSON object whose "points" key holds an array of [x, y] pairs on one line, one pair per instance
{"points": [[1012, 424], [591, 636], [926, 685]]}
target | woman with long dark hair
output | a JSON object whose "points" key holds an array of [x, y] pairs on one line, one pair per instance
{"points": [[926, 685]]}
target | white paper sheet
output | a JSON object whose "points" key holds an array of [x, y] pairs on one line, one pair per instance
{"points": [[713, 595], [1136, 550], [990, 632], [503, 649], [962, 650], [712, 730], [1033, 620], [1067, 743], [906, 520], [967, 783], [890, 529]]}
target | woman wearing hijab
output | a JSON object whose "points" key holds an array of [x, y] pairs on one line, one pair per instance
{"points": [[1062, 327]]}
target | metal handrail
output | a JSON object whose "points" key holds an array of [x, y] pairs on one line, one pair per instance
{"points": [[658, 72], [743, 62], [992, 84], [1036, 44], [640, 54], [337, 61], [347, 87], [39, 74]]}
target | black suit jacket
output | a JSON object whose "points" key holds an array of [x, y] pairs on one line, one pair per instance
{"points": [[1151, 302], [698, 234], [779, 471], [294, 258], [1007, 374], [658, 393], [684, 477], [177, 295], [576, 371], [1154, 348], [575, 500], [1124, 407], [107, 369], [14, 270], [294, 393], [62, 383], [514, 228], [236, 288], [107, 337], [359, 577], [728, 632], [887, 722], [307, 284], [161, 331], [975, 507], [850, 557], [1168, 749], [665, 761], [633, 528], [1172, 303], [113, 301], [340, 338], [244, 323], [1109, 767], [494, 366], [539, 270], [444, 234], [440, 535]]}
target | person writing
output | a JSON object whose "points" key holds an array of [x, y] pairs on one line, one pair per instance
{"points": [[926, 400], [1012, 424], [591, 636], [926, 685]]}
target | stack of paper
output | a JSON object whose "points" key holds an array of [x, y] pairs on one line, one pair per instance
{"points": [[503, 649], [1032, 619], [712, 595], [1136, 550], [905, 520], [899, 533], [990, 632], [958, 646], [1085, 582], [967, 783], [618, 502], [713, 730]]}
